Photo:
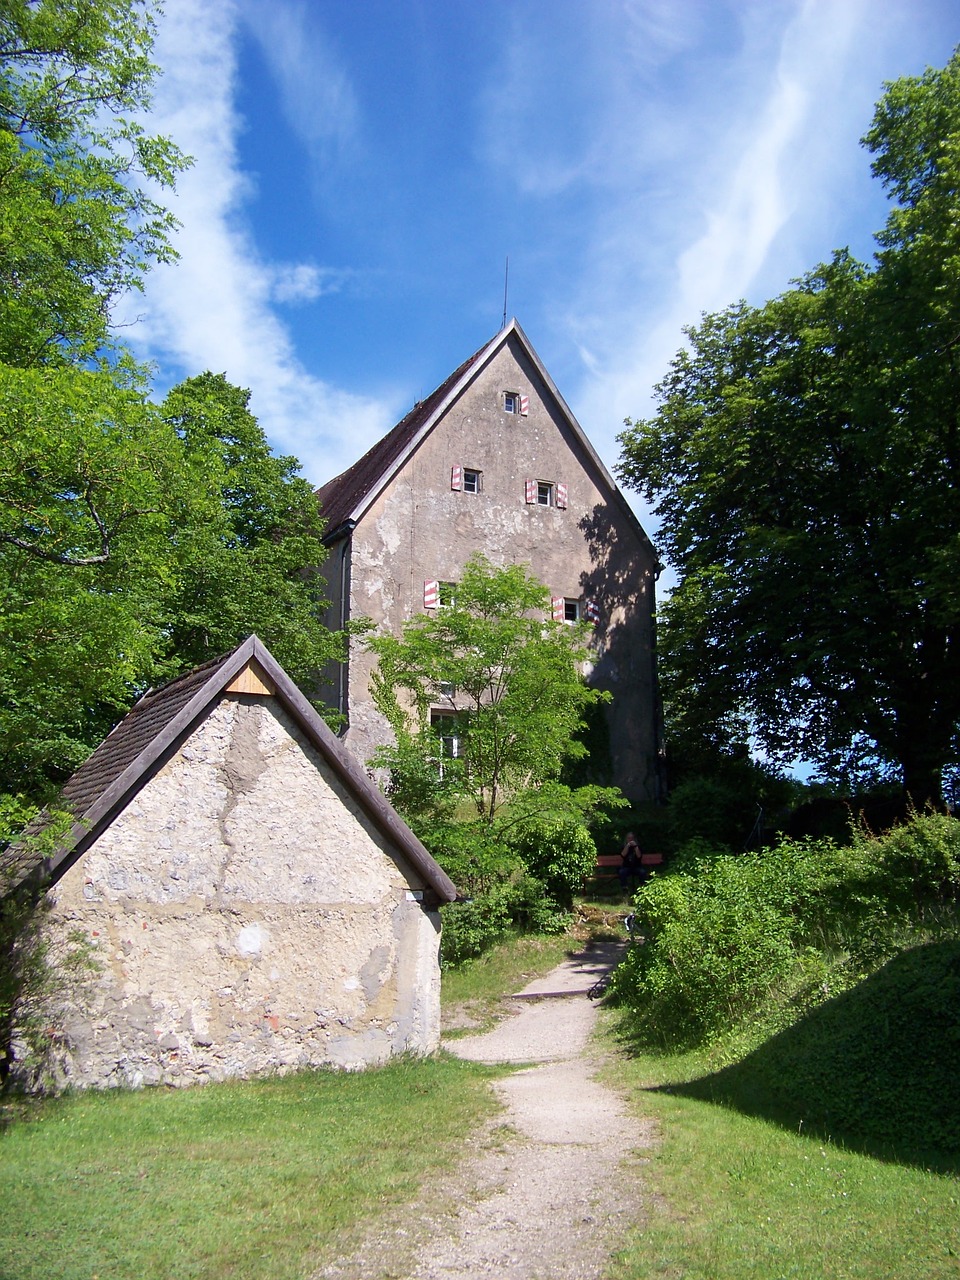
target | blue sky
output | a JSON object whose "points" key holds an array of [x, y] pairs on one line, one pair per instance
{"points": [[363, 168]]}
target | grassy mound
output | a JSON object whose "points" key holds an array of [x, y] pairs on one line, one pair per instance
{"points": [[875, 1067]]}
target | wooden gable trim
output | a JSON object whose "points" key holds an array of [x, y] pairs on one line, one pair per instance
{"points": [[252, 679]]}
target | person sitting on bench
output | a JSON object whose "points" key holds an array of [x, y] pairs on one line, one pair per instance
{"points": [[629, 861]]}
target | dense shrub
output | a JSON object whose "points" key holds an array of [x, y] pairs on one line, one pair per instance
{"points": [[807, 919], [474, 925], [559, 855]]}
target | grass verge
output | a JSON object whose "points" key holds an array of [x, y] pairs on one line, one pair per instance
{"points": [[736, 1194], [257, 1180], [472, 995]]}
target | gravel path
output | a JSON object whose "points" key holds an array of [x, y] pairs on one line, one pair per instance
{"points": [[548, 1188]]}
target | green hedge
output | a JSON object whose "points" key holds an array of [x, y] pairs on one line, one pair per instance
{"points": [[724, 934]]}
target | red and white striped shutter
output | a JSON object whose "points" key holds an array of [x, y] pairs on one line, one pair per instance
{"points": [[530, 489], [431, 594], [456, 477], [593, 611], [556, 608], [524, 406], [562, 497]]}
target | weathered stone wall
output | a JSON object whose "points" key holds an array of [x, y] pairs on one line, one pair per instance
{"points": [[420, 529], [246, 917]]}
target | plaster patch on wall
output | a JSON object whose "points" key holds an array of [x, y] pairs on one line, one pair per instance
{"points": [[250, 940]]}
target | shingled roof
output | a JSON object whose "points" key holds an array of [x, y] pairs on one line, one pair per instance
{"points": [[161, 721]]}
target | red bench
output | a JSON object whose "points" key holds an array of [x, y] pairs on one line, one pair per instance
{"points": [[610, 863]]}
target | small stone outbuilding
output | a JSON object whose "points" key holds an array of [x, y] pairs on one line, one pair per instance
{"points": [[252, 901]]}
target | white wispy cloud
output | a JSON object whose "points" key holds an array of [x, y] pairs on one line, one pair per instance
{"points": [[214, 309], [318, 99], [731, 204]]}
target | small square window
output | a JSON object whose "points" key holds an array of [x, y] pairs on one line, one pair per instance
{"points": [[511, 402], [544, 494], [571, 610], [472, 480], [446, 595]]}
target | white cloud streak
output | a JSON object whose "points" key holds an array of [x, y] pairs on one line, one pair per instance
{"points": [[741, 189], [214, 308]]}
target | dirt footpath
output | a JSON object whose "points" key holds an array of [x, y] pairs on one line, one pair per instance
{"points": [[549, 1187]]}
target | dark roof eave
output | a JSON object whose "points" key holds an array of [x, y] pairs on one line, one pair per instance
{"points": [[97, 817]]}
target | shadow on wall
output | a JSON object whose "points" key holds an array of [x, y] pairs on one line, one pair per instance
{"points": [[621, 584], [617, 581], [876, 1068]]}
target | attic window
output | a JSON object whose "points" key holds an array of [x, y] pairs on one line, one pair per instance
{"points": [[571, 610], [514, 402], [544, 493]]}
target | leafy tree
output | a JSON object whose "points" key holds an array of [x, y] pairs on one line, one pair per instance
{"points": [[247, 549], [495, 814], [78, 225], [89, 478], [804, 463], [135, 540], [508, 685], [134, 543]]}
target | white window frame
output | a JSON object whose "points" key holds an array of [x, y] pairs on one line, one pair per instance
{"points": [[546, 493], [472, 475]]}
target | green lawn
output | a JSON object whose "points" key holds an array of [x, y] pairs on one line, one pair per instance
{"points": [[736, 1197], [256, 1180], [740, 1188]]}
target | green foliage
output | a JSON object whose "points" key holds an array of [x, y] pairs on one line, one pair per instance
{"points": [[246, 552], [509, 683], [78, 225], [474, 926], [509, 680], [559, 855], [796, 924], [136, 542], [37, 970], [803, 463]]}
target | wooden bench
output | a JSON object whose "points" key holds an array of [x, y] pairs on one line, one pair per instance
{"points": [[609, 864]]}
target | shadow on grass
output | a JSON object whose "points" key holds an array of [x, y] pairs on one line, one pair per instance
{"points": [[876, 1069]]}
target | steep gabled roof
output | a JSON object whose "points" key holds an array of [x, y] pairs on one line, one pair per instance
{"points": [[345, 499], [161, 721]]}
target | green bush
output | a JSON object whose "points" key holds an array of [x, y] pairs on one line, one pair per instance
{"points": [[800, 922], [518, 905], [559, 855], [715, 943], [472, 927]]}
